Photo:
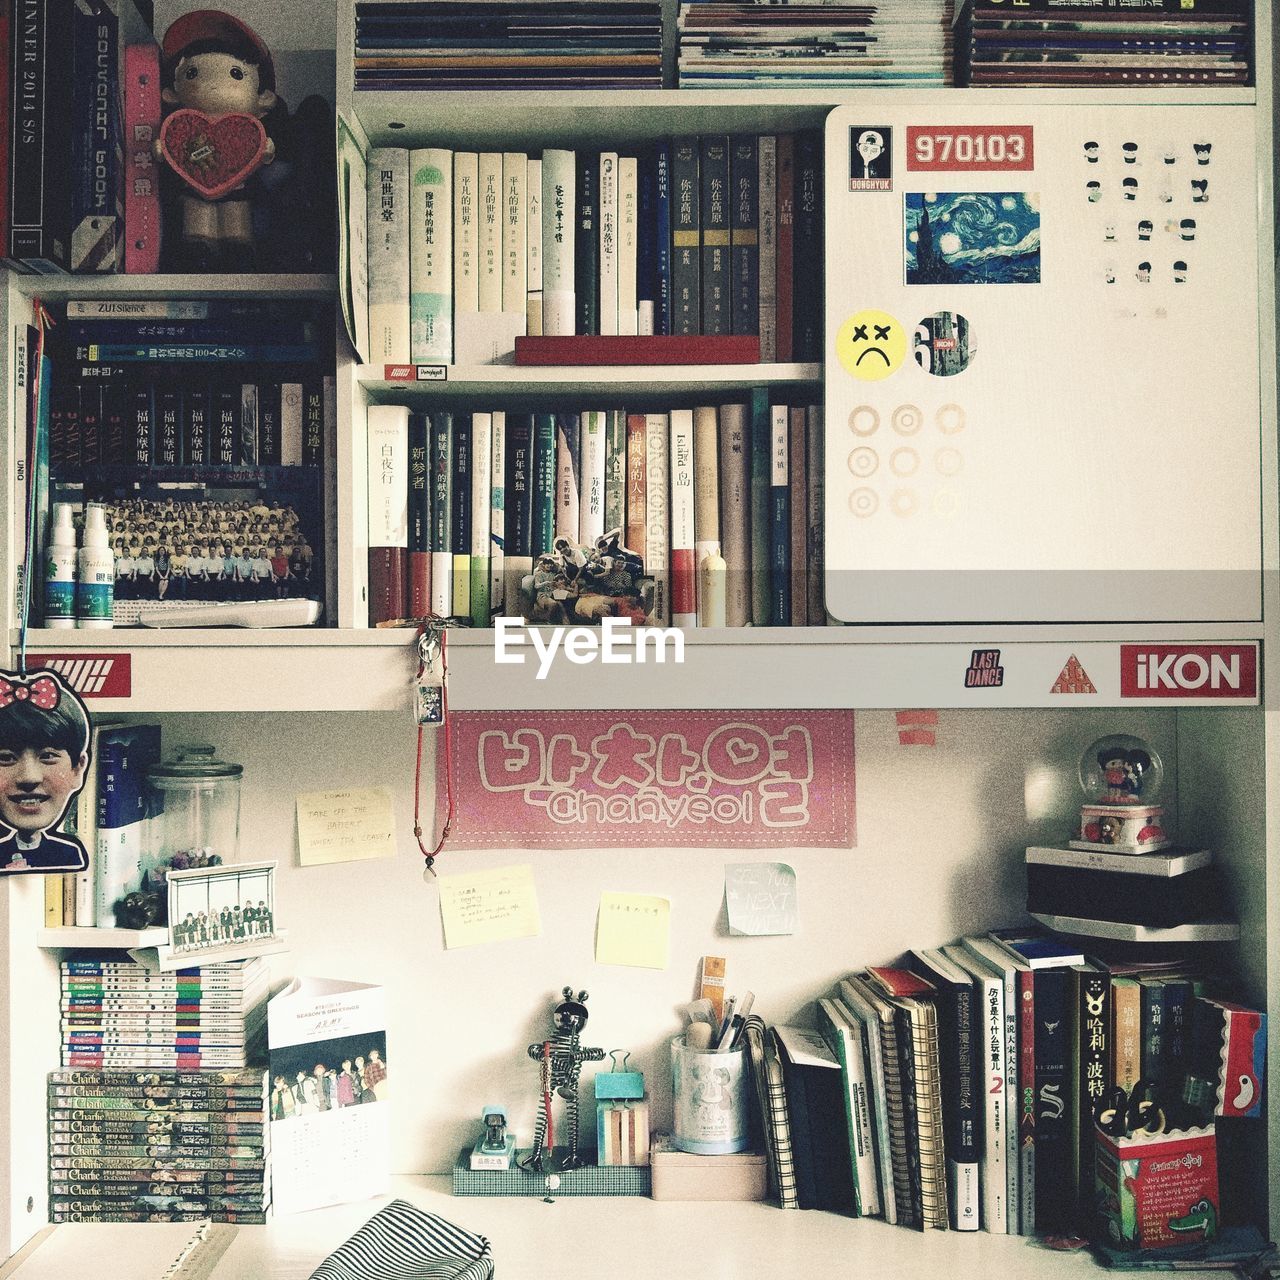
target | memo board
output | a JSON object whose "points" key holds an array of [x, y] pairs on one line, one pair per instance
{"points": [[1042, 394]]}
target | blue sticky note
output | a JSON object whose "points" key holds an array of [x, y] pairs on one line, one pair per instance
{"points": [[761, 897]]}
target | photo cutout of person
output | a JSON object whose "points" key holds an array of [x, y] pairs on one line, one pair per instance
{"points": [[44, 753], [872, 148]]}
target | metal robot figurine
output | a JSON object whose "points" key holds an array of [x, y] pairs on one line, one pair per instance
{"points": [[561, 1057]]}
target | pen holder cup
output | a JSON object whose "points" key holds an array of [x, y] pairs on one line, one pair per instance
{"points": [[711, 1093]]}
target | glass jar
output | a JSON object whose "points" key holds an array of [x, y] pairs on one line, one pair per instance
{"points": [[195, 808]]}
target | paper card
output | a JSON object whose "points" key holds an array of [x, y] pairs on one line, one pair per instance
{"points": [[632, 929], [489, 906], [761, 898], [342, 826]]}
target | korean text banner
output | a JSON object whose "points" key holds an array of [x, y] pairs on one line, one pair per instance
{"points": [[763, 780]]}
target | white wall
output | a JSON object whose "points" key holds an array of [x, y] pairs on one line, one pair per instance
{"points": [[940, 835]]}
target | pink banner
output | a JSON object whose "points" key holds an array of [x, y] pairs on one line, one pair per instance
{"points": [[569, 780]]}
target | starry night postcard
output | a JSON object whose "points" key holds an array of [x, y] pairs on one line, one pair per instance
{"points": [[972, 237]]}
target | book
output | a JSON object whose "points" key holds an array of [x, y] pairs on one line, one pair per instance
{"points": [[807, 259], [771, 1104], [615, 470], [607, 224], [388, 464], [706, 499], [784, 272], [628, 245], [815, 544], [798, 483], [497, 516], [196, 408], [388, 196], [820, 1146], [662, 309], [124, 755], [989, 990], [744, 233], [466, 234], [518, 507], [714, 203], [480, 516], [419, 514], [489, 232], [1090, 1079], [686, 238], [637, 477], [767, 257], [431, 256], [533, 249], [543, 522], [515, 235], [760, 455], [682, 564], [442, 513], [591, 477], [1126, 1033], [616, 349], [559, 245], [779, 517], [961, 1080], [96, 191], [568, 475], [586, 244], [844, 1036], [460, 518], [657, 434]]}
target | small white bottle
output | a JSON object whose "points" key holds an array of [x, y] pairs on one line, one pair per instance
{"points": [[60, 570], [95, 590]]}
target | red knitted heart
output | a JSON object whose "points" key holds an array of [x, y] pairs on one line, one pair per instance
{"points": [[213, 156]]}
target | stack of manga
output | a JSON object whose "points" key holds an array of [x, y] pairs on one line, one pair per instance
{"points": [[158, 1146], [117, 1013]]}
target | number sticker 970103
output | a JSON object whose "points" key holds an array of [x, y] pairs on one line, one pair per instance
{"points": [[970, 148]]}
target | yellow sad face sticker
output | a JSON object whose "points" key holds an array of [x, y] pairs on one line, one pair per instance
{"points": [[871, 345]]}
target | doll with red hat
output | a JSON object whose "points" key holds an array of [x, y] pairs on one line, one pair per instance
{"points": [[219, 83]]}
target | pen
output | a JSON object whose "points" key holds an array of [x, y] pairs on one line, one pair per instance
{"points": [[722, 1038], [730, 1041]]}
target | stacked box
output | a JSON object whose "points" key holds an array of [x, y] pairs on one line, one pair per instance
{"points": [[158, 1146]]}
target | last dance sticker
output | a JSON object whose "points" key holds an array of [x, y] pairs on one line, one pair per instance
{"points": [[44, 757], [972, 237]]}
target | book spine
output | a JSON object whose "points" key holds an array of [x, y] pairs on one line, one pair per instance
{"points": [[460, 518], [489, 232], [686, 239], [706, 507], [615, 471], [1154, 1066], [628, 245], [419, 515], [1026, 1096], [995, 1151], [808, 247], [431, 256], [608, 253], [225, 399], [388, 470], [760, 445], [1053, 1162], [268, 424], [533, 223], [559, 216], [186, 353], [715, 204], [388, 195], [798, 476], [779, 518], [480, 499], [544, 485], [1177, 996], [591, 477], [905, 1044], [656, 536], [767, 265], [785, 252], [662, 312], [634, 536], [646, 241], [586, 245], [168, 425], [962, 1062], [249, 424], [1090, 1058], [568, 475], [291, 424], [816, 609], [928, 1073], [682, 563], [97, 213], [7, 33], [442, 514], [1126, 1033], [744, 234], [466, 235], [515, 236], [498, 515], [123, 758], [313, 417], [519, 507]]}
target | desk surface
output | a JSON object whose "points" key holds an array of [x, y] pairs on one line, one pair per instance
{"points": [[631, 1238]]}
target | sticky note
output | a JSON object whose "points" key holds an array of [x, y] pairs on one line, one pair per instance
{"points": [[342, 826], [489, 906], [632, 929], [761, 897]]}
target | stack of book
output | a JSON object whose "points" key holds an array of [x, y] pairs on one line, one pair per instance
{"points": [[120, 1014], [811, 44], [1079, 42], [722, 504], [511, 44], [158, 1146], [719, 235]]}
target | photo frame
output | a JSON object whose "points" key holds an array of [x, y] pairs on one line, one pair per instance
{"points": [[222, 913]]}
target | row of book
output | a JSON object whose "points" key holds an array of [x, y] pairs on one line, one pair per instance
{"points": [[716, 235], [968, 1079], [158, 1146], [513, 44], [812, 44], [1073, 43], [497, 513]]}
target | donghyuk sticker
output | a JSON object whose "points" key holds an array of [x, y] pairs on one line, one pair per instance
{"points": [[871, 158]]}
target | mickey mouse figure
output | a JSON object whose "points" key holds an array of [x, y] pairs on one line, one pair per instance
{"points": [[561, 1057]]}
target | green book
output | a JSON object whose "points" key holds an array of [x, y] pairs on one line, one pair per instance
{"points": [[544, 483]]}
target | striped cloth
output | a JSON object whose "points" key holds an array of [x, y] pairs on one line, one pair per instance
{"points": [[401, 1242]]}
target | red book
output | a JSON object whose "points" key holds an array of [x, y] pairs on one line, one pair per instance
{"points": [[141, 173], [636, 486], [388, 487], [798, 477], [902, 982], [419, 584], [786, 243], [389, 584], [597, 349]]}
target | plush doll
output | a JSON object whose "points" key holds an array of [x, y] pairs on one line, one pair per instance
{"points": [[219, 85]]}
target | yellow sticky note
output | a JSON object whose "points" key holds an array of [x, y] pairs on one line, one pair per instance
{"points": [[489, 906], [342, 826], [633, 929]]}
